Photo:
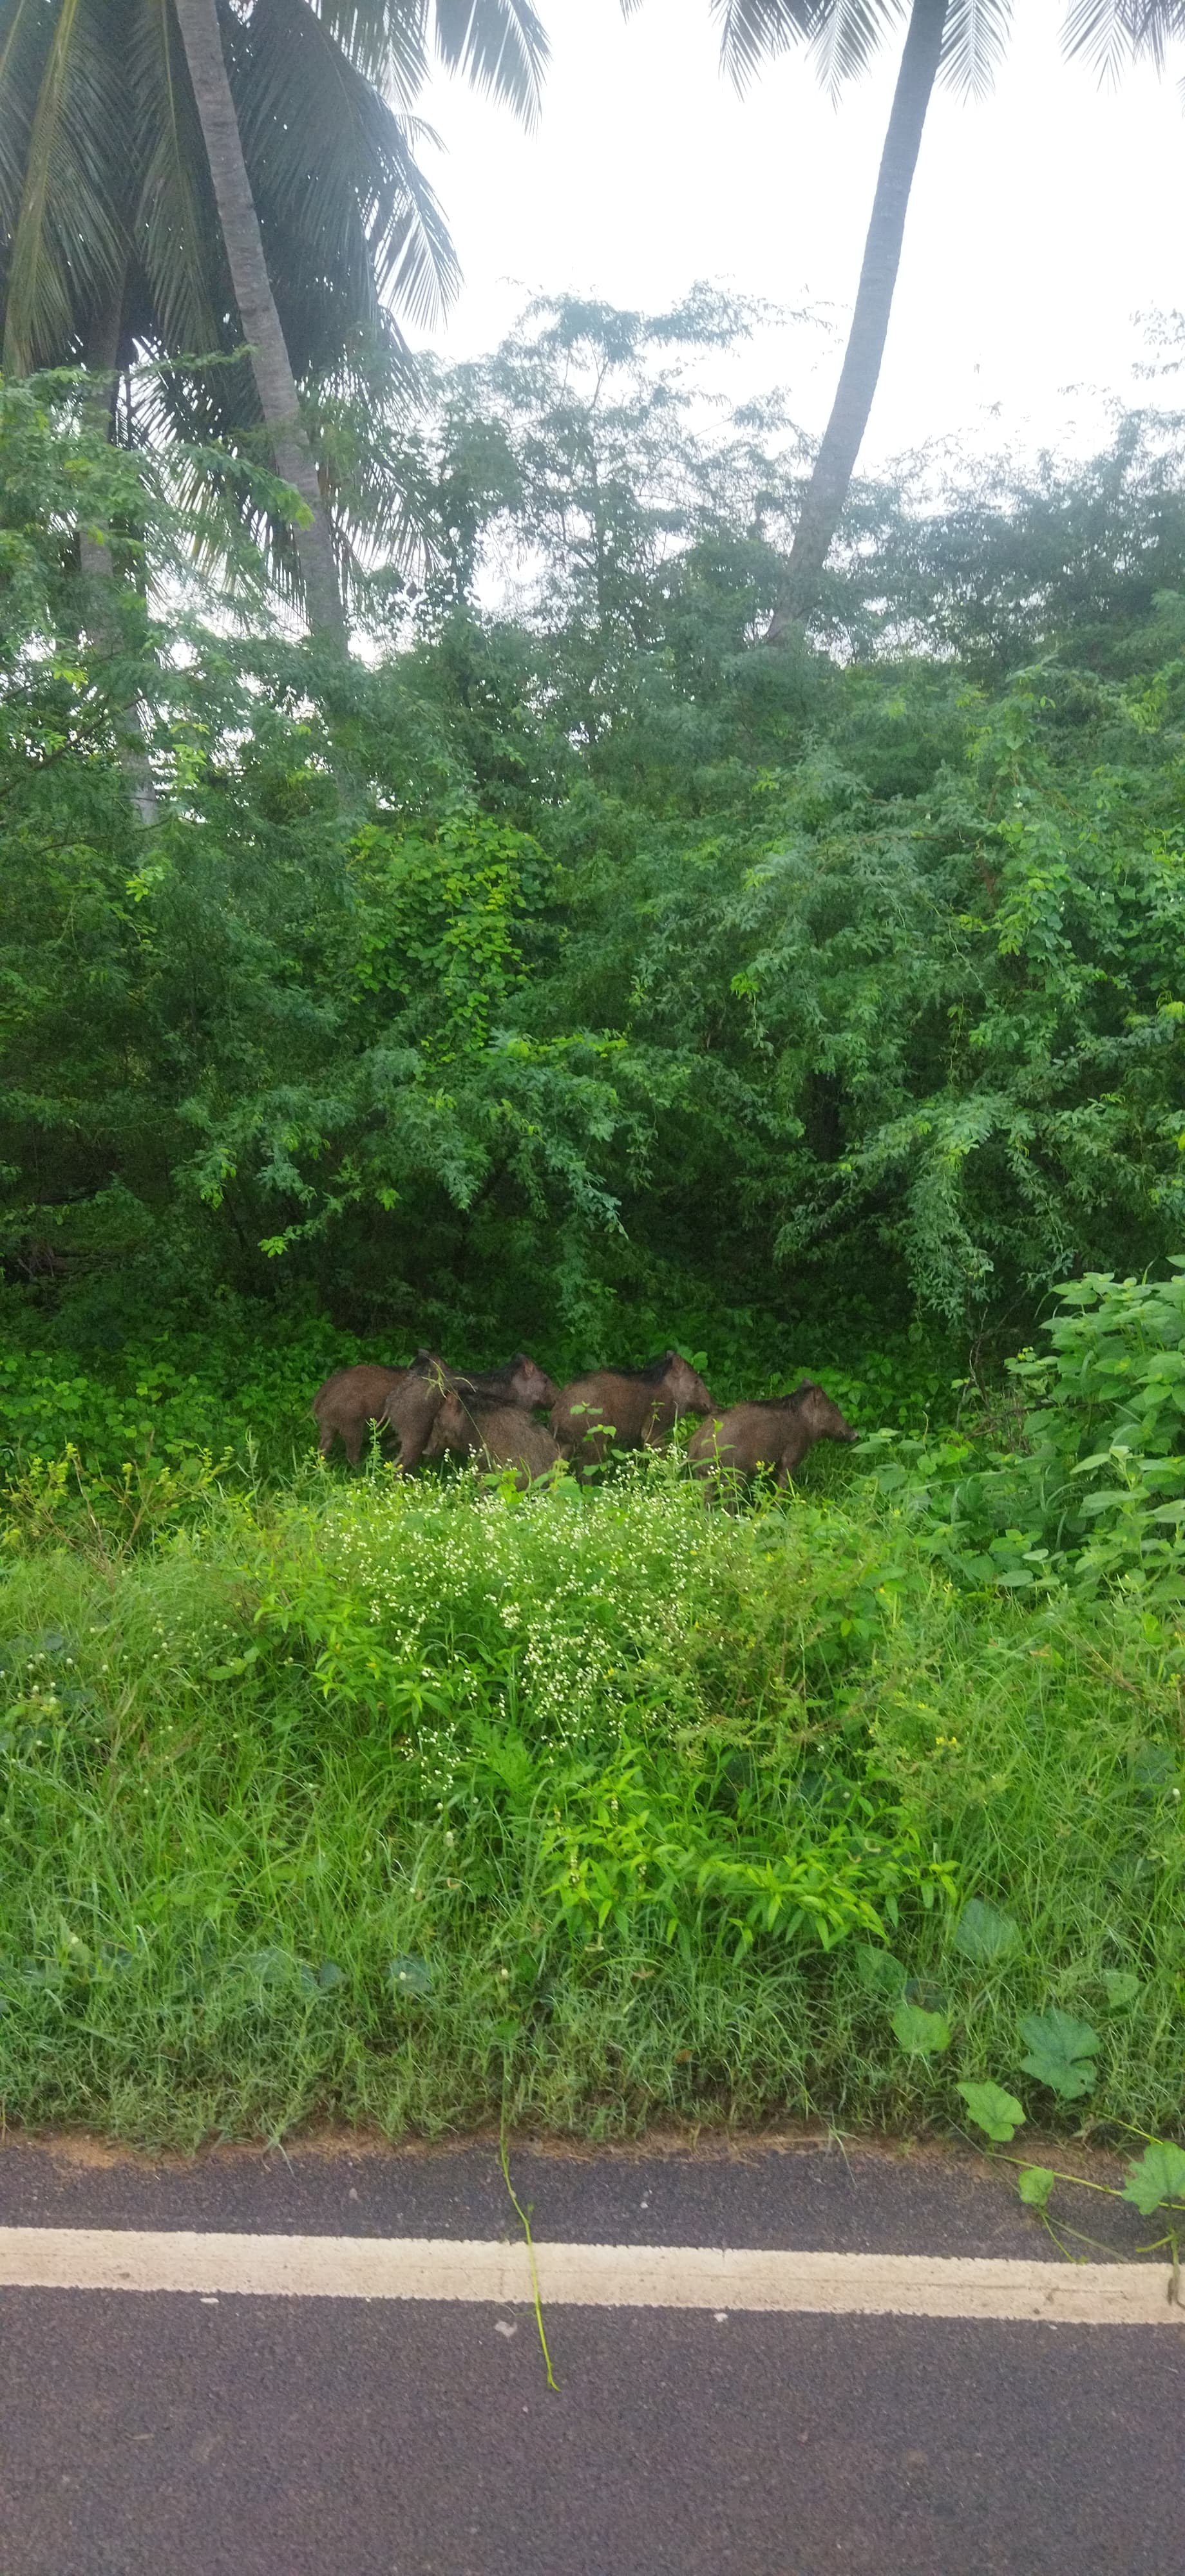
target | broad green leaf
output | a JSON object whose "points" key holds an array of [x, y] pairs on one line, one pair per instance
{"points": [[1035, 2185], [985, 1935], [921, 2034], [1061, 2050], [879, 1970], [407, 1975], [994, 2110], [1156, 2177], [1122, 1988], [1154, 1766], [923, 1991]]}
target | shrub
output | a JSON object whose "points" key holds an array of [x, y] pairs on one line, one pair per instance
{"points": [[400, 1801], [1094, 1489]]}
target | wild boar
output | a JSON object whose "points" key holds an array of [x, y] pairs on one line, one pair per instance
{"points": [[412, 1407], [500, 1435], [354, 1398], [521, 1381], [626, 1408], [776, 1431]]}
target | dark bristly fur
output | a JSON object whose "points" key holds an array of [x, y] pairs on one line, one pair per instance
{"points": [[772, 1431], [626, 1408], [500, 1435], [519, 1381], [354, 1398], [406, 1401]]}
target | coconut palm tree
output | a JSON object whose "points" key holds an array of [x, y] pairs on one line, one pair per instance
{"points": [[180, 177], [959, 41]]}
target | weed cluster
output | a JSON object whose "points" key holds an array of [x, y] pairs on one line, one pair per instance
{"points": [[401, 1801], [1088, 1489]]}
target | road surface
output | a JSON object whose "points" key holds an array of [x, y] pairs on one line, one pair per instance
{"points": [[230, 2432]]}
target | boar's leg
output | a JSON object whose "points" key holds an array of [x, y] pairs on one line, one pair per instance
{"points": [[591, 1445], [725, 1476], [796, 1449]]}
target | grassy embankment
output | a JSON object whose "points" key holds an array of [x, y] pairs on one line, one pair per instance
{"points": [[401, 1803]]}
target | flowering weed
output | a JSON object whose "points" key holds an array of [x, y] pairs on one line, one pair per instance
{"points": [[402, 1800]]}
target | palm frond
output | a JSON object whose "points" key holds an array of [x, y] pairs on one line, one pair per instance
{"points": [[415, 262], [973, 43], [385, 40], [375, 475], [26, 28], [346, 213], [176, 228], [70, 238], [847, 35], [1109, 33], [752, 29], [500, 46]]}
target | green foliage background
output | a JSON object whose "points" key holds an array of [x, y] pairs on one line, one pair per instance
{"points": [[643, 983], [577, 973]]}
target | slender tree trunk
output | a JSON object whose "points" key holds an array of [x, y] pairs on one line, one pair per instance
{"points": [[274, 381], [101, 354], [828, 487]]}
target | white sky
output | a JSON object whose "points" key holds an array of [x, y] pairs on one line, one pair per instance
{"points": [[1042, 221]]}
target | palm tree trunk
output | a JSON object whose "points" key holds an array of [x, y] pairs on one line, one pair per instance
{"points": [[101, 351], [274, 381], [834, 465]]}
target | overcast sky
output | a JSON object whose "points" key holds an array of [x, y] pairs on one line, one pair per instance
{"points": [[1042, 221]]}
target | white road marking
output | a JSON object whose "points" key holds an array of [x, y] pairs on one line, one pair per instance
{"points": [[718, 2278]]}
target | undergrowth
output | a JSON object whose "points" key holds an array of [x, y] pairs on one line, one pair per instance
{"points": [[411, 1802]]}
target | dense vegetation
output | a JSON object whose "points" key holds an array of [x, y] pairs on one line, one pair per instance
{"points": [[576, 971], [404, 1802], [637, 971]]}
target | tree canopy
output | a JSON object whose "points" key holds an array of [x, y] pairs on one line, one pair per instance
{"points": [[660, 979]]}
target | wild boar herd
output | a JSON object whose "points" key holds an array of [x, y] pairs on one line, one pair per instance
{"points": [[431, 1410]]}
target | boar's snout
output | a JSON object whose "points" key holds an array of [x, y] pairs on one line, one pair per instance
{"points": [[823, 1414]]}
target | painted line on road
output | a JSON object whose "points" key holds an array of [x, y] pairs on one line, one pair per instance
{"points": [[733, 2279]]}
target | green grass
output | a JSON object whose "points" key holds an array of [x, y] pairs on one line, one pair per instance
{"points": [[398, 1802]]}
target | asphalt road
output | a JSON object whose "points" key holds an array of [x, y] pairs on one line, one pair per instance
{"points": [[161, 2435]]}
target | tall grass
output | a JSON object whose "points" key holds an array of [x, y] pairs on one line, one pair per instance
{"points": [[401, 1801]]}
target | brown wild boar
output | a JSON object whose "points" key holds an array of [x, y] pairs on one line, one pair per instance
{"points": [[353, 1398], [350, 1400], [521, 1381], [776, 1431], [499, 1435], [626, 1408], [412, 1407]]}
